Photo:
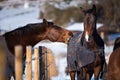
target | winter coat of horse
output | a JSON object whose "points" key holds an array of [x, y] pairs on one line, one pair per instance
{"points": [[78, 56]]}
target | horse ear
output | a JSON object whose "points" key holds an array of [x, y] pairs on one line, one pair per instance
{"points": [[94, 9], [82, 10], [45, 22]]}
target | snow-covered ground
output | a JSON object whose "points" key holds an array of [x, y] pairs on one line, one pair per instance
{"points": [[11, 18], [17, 17]]}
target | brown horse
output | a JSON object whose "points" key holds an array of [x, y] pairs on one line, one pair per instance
{"points": [[89, 49], [31, 34], [114, 62]]}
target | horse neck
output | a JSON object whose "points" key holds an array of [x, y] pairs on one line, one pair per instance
{"points": [[23, 40], [92, 32], [95, 37]]}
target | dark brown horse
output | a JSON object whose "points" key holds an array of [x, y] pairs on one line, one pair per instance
{"points": [[31, 34], [89, 49], [114, 62]]}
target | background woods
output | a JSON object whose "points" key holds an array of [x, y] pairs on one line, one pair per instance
{"points": [[65, 12], [108, 12]]}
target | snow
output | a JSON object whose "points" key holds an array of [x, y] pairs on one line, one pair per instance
{"points": [[16, 17], [11, 18], [79, 26]]}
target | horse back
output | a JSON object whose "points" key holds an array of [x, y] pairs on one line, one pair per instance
{"points": [[114, 65], [114, 62]]}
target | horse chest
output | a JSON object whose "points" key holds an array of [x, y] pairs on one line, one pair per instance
{"points": [[89, 44]]}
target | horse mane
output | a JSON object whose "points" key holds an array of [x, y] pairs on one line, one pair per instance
{"points": [[98, 40], [28, 29]]}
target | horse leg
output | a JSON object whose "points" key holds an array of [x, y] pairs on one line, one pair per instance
{"points": [[97, 70], [103, 74], [72, 75], [9, 78], [84, 76], [88, 76], [81, 74]]}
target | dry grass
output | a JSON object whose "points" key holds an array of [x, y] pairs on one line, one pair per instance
{"points": [[49, 66]]}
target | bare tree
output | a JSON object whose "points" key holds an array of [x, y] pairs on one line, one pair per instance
{"points": [[111, 11]]}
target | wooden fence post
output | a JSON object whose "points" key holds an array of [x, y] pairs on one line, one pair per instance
{"points": [[36, 66], [18, 62], [2, 62], [40, 62], [29, 62], [46, 64]]}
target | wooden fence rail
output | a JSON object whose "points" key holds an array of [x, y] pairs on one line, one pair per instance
{"points": [[29, 62], [19, 63], [44, 63]]}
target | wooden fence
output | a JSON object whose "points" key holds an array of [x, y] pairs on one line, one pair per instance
{"points": [[2, 62], [42, 64]]}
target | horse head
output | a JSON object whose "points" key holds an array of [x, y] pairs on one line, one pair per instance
{"points": [[89, 21], [56, 33]]}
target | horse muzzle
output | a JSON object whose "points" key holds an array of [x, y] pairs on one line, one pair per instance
{"points": [[68, 38]]}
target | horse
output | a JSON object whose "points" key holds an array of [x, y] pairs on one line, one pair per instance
{"points": [[31, 34], [114, 62], [85, 52]]}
